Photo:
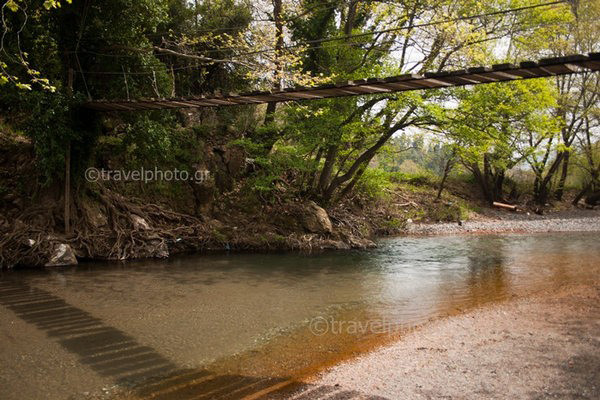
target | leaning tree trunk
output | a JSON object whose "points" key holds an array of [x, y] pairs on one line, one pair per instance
{"points": [[350, 186], [362, 161], [364, 158], [327, 171], [499, 186], [563, 177], [314, 178], [447, 169], [582, 193], [543, 184]]}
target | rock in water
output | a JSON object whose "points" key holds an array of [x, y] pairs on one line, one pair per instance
{"points": [[62, 255], [358, 243], [316, 219]]}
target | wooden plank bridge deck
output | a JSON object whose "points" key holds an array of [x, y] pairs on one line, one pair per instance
{"points": [[431, 80]]}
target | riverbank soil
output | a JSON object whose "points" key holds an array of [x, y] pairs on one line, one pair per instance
{"points": [[545, 346]]}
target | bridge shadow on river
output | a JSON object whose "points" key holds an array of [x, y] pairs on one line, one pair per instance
{"points": [[113, 354]]}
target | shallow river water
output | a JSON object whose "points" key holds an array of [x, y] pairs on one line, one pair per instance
{"points": [[244, 323]]}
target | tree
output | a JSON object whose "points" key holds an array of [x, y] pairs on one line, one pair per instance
{"points": [[498, 125], [589, 162], [577, 95], [363, 126]]}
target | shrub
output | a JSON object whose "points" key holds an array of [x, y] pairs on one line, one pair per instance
{"points": [[374, 182]]}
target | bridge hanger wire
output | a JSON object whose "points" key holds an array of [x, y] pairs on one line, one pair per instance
{"points": [[323, 40], [147, 70]]}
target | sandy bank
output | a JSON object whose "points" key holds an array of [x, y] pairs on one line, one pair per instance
{"points": [[546, 346]]}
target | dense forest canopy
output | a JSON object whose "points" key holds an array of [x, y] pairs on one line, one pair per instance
{"points": [[55, 54]]}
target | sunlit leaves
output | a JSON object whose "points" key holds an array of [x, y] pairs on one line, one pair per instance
{"points": [[49, 4], [12, 5], [19, 57], [512, 120]]}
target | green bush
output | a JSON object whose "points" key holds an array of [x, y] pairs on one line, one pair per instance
{"points": [[285, 164], [424, 178], [375, 181]]}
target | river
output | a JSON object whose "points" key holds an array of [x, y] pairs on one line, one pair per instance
{"points": [[252, 318]]}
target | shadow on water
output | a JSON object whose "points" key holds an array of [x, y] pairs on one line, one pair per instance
{"points": [[113, 354], [108, 351]]}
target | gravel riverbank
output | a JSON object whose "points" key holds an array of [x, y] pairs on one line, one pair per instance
{"points": [[546, 346], [518, 223]]}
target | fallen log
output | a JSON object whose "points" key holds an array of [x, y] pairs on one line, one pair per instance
{"points": [[505, 206], [408, 203]]}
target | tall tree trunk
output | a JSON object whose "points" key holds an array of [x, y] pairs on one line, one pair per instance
{"points": [[327, 172], [563, 176], [543, 190], [498, 191], [542, 195], [493, 180], [350, 17], [315, 175], [482, 182], [537, 186]]}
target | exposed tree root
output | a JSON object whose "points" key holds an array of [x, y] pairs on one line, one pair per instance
{"points": [[106, 225]]}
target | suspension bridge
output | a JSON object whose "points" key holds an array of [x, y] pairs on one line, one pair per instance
{"points": [[545, 67]]}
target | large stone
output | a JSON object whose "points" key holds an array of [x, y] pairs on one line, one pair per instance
{"points": [[62, 255], [360, 243], [329, 244], [316, 220], [139, 223], [95, 214]]}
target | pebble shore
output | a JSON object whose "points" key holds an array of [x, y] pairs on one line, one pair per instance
{"points": [[537, 225]]}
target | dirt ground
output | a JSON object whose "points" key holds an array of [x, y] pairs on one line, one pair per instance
{"points": [[545, 346]]}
